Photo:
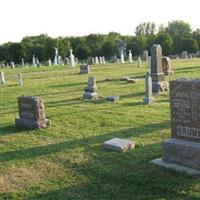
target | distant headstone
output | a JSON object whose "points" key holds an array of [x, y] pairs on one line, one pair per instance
{"points": [[31, 113], [103, 60], [12, 64], [148, 99], [49, 62], [96, 60], [166, 65], [145, 56], [71, 59], [2, 78], [184, 55], [157, 75], [100, 60], [56, 57], [112, 98], [20, 79], [67, 60], [90, 61], [183, 148], [122, 56], [139, 62], [130, 57], [118, 145], [34, 61], [84, 69], [22, 64], [91, 89], [76, 61]]}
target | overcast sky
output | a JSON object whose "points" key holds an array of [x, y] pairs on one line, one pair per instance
{"points": [[19, 18]]}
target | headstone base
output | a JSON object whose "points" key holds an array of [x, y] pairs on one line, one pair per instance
{"points": [[89, 95], [112, 98], [177, 168], [25, 123], [160, 86], [118, 145], [148, 100], [182, 152]]}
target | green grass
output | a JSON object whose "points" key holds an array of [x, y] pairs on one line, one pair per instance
{"points": [[66, 161]]}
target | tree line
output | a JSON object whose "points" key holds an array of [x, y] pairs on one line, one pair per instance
{"points": [[176, 37]]}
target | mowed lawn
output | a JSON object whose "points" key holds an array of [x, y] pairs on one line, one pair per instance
{"points": [[66, 161]]}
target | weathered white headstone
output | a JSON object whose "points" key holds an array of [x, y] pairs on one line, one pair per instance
{"points": [[71, 59], [2, 78], [20, 79], [122, 56], [139, 62], [130, 57]]}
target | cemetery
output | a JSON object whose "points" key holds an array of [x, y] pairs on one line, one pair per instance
{"points": [[99, 100], [54, 144]]}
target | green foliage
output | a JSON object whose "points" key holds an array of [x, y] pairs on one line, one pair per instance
{"points": [[190, 45], [174, 39], [166, 42]]}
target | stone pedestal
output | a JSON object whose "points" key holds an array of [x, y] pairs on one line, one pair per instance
{"points": [[182, 151], [84, 69], [31, 113], [91, 89]]}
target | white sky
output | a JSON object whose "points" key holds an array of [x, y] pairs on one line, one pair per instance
{"points": [[19, 18]]}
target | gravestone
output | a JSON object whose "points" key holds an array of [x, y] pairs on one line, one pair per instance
{"points": [[22, 64], [145, 56], [122, 56], [90, 61], [130, 57], [84, 69], [34, 61], [103, 60], [184, 55], [76, 61], [2, 78], [157, 75], [67, 60], [49, 62], [166, 65], [20, 79], [91, 89], [56, 57], [71, 59], [148, 99], [183, 149], [100, 60], [12, 64], [118, 145], [31, 113], [112, 98], [96, 60], [139, 62]]}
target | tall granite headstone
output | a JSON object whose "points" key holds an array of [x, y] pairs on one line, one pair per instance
{"points": [[157, 75], [2, 78], [184, 147], [31, 113]]}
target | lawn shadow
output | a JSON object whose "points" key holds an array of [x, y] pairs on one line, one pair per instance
{"points": [[83, 142], [120, 176], [11, 129]]}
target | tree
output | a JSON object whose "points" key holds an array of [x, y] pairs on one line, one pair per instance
{"points": [[110, 48], [178, 30], [190, 45], [16, 52], [166, 42]]}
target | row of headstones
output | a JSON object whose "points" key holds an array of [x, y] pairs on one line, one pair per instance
{"points": [[96, 60], [19, 78], [185, 55]]}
